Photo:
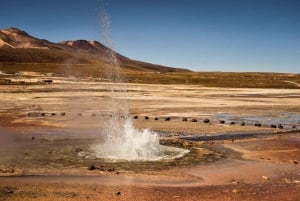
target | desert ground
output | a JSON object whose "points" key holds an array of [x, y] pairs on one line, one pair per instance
{"points": [[244, 143]]}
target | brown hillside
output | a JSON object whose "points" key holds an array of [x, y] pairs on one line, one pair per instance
{"points": [[17, 46]]}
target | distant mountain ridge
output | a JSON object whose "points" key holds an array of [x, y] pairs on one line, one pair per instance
{"points": [[17, 46]]}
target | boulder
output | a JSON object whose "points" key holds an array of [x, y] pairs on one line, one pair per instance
{"points": [[257, 124], [194, 120], [92, 167], [48, 81], [168, 119], [280, 126], [184, 119], [221, 122], [206, 121]]}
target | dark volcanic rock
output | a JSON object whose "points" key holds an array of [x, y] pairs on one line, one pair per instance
{"points": [[221, 122], [168, 119], [92, 167], [206, 121], [280, 126], [257, 124]]}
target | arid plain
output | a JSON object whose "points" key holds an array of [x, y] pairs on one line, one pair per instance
{"points": [[244, 142]]}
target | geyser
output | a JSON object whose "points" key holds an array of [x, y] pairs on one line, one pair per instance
{"points": [[123, 141], [128, 143]]}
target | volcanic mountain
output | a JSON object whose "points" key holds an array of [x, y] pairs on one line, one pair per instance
{"points": [[17, 46]]}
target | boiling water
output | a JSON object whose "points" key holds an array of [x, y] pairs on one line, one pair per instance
{"points": [[122, 140], [129, 143]]}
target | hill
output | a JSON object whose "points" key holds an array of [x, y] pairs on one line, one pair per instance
{"points": [[17, 46], [20, 51]]}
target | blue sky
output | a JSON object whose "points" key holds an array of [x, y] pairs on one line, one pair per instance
{"points": [[202, 35]]}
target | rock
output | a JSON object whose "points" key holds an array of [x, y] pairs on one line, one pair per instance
{"points": [[118, 193], [206, 121], [7, 170], [296, 181], [296, 162], [273, 126], [243, 123], [265, 178], [48, 81], [232, 123], [53, 114], [63, 114], [33, 138], [257, 124], [92, 167], [280, 126], [235, 191], [124, 116], [156, 118], [43, 114], [167, 118], [78, 150], [146, 117], [135, 117], [93, 115], [235, 181], [111, 170], [9, 190], [221, 122], [294, 127], [184, 119], [194, 120]]}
